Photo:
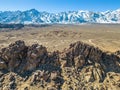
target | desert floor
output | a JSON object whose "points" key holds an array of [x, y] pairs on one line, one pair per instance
{"points": [[58, 37]]}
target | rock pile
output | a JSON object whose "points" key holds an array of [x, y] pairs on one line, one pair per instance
{"points": [[80, 67], [80, 54], [35, 55], [13, 55], [19, 57]]}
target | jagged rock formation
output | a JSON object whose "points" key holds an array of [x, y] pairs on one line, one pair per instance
{"points": [[80, 67]]}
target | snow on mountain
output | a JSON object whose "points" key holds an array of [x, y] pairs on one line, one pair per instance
{"points": [[71, 17]]}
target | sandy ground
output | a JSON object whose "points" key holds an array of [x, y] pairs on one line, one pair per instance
{"points": [[58, 37]]}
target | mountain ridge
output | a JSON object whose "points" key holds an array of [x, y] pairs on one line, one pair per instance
{"points": [[34, 16]]}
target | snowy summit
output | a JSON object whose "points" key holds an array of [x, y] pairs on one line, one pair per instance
{"points": [[33, 16]]}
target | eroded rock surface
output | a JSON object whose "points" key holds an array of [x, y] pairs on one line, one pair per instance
{"points": [[80, 67]]}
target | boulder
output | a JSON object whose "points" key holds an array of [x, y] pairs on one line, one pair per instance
{"points": [[35, 55], [14, 54]]}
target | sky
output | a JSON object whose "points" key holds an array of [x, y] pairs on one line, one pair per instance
{"points": [[55, 6]]}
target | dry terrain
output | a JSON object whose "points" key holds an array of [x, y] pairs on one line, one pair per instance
{"points": [[58, 37], [60, 61]]}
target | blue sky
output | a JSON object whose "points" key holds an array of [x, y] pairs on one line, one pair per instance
{"points": [[59, 5]]}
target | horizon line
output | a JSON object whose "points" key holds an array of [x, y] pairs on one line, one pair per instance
{"points": [[54, 12]]}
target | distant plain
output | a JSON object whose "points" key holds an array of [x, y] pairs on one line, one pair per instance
{"points": [[58, 37]]}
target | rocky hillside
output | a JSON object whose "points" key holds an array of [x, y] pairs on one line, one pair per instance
{"points": [[80, 67]]}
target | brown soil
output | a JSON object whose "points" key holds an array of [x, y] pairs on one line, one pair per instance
{"points": [[58, 37]]}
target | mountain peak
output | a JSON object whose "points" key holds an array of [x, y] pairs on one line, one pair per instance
{"points": [[118, 10], [33, 16], [32, 10]]}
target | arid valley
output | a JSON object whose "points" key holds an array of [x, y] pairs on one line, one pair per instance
{"points": [[60, 57], [58, 37]]}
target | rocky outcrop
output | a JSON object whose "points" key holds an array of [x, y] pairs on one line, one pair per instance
{"points": [[19, 57], [80, 67], [35, 55], [81, 54], [14, 55]]}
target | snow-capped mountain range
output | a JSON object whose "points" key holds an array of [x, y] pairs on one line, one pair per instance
{"points": [[33, 16]]}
